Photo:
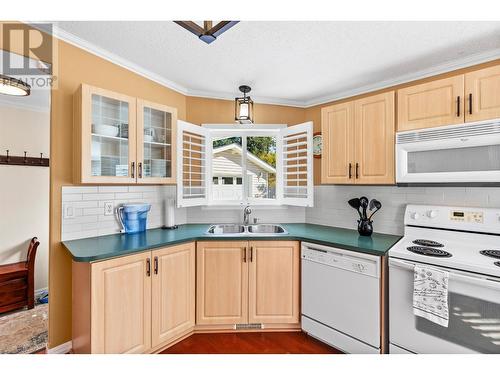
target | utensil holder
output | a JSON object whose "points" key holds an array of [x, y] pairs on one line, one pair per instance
{"points": [[365, 227]]}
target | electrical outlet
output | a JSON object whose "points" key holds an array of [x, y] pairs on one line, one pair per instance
{"points": [[108, 208], [68, 211]]}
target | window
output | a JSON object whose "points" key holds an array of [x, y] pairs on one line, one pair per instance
{"points": [[247, 164]]}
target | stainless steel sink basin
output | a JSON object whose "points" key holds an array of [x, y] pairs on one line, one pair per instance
{"points": [[246, 230], [266, 229], [226, 229]]}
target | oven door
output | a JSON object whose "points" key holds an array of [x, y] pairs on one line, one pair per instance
{"points": [[469, 153], [474, 305]]}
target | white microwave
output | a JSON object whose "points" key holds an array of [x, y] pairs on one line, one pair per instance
{"points": [[468, 153]]}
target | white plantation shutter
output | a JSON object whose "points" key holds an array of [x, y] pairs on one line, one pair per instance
{"points": [[297, 165], [194, 151]]}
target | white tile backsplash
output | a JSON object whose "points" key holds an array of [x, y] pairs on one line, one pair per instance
{"points": [[331, 207], [283, 214], [88, 204]]}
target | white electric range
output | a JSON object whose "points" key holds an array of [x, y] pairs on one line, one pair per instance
{"points": [[465, 242]]}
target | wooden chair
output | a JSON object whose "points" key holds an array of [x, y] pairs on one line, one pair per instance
{"points": [[17, 282]]}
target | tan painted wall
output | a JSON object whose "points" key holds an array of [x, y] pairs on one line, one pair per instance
{"points": [[217, 111], [77, 66]]}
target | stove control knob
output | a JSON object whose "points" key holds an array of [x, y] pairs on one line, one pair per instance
{"points": [[415, 215], [432, 214]]}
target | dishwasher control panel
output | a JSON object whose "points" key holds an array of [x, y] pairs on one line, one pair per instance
{"points": [[348, 260]]}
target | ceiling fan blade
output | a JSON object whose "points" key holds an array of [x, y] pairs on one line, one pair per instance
{"points": [[191, 27], [222, 27]]}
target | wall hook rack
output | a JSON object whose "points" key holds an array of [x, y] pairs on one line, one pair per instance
{"points": [[25, 160]]}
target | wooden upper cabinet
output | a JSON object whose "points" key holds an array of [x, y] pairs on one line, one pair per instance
{"points": [[431, 104], [273, 282], [121, 305], [173, 293], [120, 139], [104, 136], [374, 133], [482, 90], [222, 282], [337, 128], [156, 138]]}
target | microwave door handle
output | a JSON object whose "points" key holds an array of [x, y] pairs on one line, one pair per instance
{"points": [[480, 281]]}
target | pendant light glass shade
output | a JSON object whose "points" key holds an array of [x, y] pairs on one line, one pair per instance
{"points": [[243, 107], [13, 86]]}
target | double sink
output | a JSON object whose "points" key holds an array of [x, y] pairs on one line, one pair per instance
{"points": [[240, 229]]}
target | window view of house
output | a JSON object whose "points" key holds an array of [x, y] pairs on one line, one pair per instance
{"points": [[229, 169], [261, 167]]}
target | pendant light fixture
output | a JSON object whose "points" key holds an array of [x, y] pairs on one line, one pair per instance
{"points": [[243, 107], [13, 86]]}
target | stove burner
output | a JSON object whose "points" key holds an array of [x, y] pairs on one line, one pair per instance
{"points": [[491, 253], [429, 251], [427, 243]]}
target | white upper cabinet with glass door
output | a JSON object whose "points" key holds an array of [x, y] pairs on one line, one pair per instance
{"points": [[156, 137], [105, 129], [246, 164]]}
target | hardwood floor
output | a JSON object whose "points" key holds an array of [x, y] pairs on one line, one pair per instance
{"points": [[251, 343]]}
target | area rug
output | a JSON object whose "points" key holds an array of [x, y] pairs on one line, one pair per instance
{"points": [[24, 331]]}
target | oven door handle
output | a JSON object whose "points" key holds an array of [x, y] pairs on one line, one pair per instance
{"points": [[484, 281]]}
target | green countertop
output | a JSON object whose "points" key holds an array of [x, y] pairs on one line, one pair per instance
{"points": [[115, 245]]}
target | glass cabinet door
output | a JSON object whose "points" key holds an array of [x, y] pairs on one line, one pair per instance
{"points": [[155, 140], [108, 137]]}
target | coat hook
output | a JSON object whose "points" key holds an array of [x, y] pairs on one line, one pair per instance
{"points": [[7, 156], [41, 157], [25, 160]]}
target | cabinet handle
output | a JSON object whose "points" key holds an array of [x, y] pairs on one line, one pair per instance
{"points": [[470, 104], [245, 255], [140, 170], [251, 253], [132, 169], [156, 266], [357, 170], [458, 106], [148, 267], [350, 171]]}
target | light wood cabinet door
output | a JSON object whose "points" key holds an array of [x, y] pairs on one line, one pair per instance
{"points": [[482, 90], [104, 127], [173, 293], [374, 134], [222, 282], [156, 141], [432, 104], [274, 282], [121, 305], [337, 128]]}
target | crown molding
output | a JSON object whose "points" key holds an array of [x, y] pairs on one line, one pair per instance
{"points": [[124, 63], [424, 73], [115, 59], [406, 78]]}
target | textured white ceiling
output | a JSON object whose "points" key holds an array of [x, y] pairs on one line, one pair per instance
{"points": [[299, 63]]}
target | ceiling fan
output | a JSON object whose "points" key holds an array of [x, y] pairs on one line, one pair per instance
{"points": [[209, 32]]}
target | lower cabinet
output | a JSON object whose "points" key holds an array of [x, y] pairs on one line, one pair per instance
{"points": [[143, 302], [135, 303], [173, 293], [242, 282]]}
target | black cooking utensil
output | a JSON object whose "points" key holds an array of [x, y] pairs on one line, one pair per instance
{"points": [[375, 205], [355, 203], [364, 204]]}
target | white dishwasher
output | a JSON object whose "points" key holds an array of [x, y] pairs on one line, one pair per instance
{"points": [[341, 298]]}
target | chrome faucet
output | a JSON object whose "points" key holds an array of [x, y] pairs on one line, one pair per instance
{"points": [[246, 215]]}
